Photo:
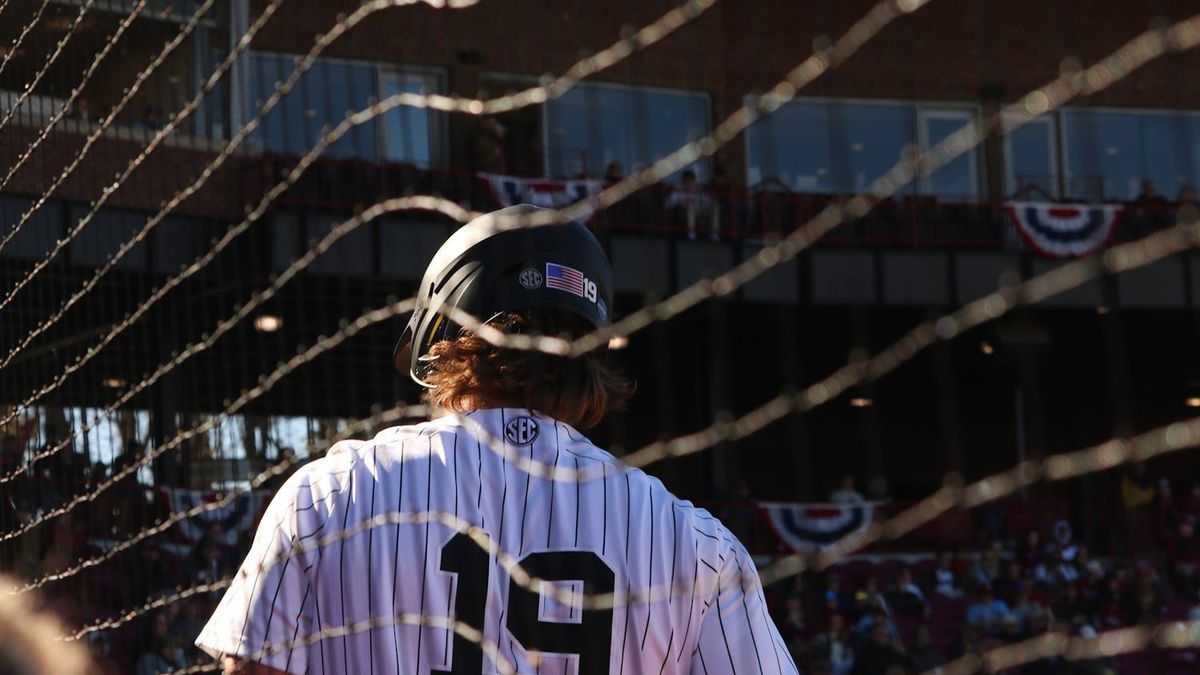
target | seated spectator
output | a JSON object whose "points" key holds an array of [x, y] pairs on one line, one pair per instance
{"points": [[151, 119], [986, 570], [1183, 554], [1021, 606], [1030, 552], [1071, 607], [1055, 570], [162, 657], [986, 611], [721, 190], [1149, 207], [1064, 540], [613, 173], [970, 641], [908, 598], [1009, 583], [872, 618], [869, 597], [689, 204], [793, 630], [1110, 607], [881, 653], [832, 646], [922, 656], [846, 494], [833, 599], [944, 581]]}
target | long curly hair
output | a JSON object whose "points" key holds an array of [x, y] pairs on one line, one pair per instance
{"points": [[468, 373]]}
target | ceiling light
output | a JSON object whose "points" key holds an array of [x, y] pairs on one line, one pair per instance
{"points": [[1192, 401], [112, 383], [987, 348], [618, 342], [861, 402], [268, 323], [1103, 309]]}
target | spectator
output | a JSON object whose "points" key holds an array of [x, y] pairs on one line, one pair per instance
{"points": [[1021, 606], [922, 656], [868, 597], [970, 641], [80, 112], [151, 119], [945, 582], [879, 654], [793, 630], [1030, 551], [872, 616], [1072, 607], [908, 598], [210, 559], [613, 173], [1064, 540], [832, 646], [1011, 582], [162, 657], [833, 599], [987, 611], [846, 494], [1183, 554], [688, 204], [720, 188], [986, 570], [1150, 208]]}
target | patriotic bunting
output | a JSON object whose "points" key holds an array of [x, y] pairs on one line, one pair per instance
{"points": [[1064, 230]]}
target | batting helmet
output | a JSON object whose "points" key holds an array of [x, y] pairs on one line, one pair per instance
{"points": [[484, 271]]}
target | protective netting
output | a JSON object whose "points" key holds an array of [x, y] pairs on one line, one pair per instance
{"points": [[136, 376]]}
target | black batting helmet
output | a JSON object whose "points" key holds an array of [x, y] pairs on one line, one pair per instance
{"points": [[484, 271]]}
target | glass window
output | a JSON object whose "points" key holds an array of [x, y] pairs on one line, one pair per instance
{"points": [[594, 124], [1032, 155], [792, 146], [878, 136], [409, 134], [830, 146], [320, 100], [1104, 149], [957, 178]]}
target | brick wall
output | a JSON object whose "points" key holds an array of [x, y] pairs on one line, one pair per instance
{"points": [[951, 50]]}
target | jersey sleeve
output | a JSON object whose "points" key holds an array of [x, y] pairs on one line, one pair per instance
{"points": [[266, 612], [737, 636]]}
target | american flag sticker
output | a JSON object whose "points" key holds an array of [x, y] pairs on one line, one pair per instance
{"points": [[564, 279]]}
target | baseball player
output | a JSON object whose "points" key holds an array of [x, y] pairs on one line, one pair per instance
{"points": [[366, 560]]}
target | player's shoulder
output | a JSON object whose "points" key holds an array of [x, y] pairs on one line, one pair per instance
{"points": [[350, 458]]}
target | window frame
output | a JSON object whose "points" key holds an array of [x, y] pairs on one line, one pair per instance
{"points": [[439, 150], [920, 108], [1054, 152], [629, 87], [439, 146], [1064, 132], [966, 113]]}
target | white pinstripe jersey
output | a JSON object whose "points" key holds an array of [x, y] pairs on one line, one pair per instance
{"points": [[321, 592]]}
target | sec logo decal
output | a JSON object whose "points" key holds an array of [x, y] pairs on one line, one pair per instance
{"points": [[521, 430]]}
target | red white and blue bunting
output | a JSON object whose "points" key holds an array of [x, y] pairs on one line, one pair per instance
{"points": [[806, 528], [1064, 230], [511, 190], [235, 518]]}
